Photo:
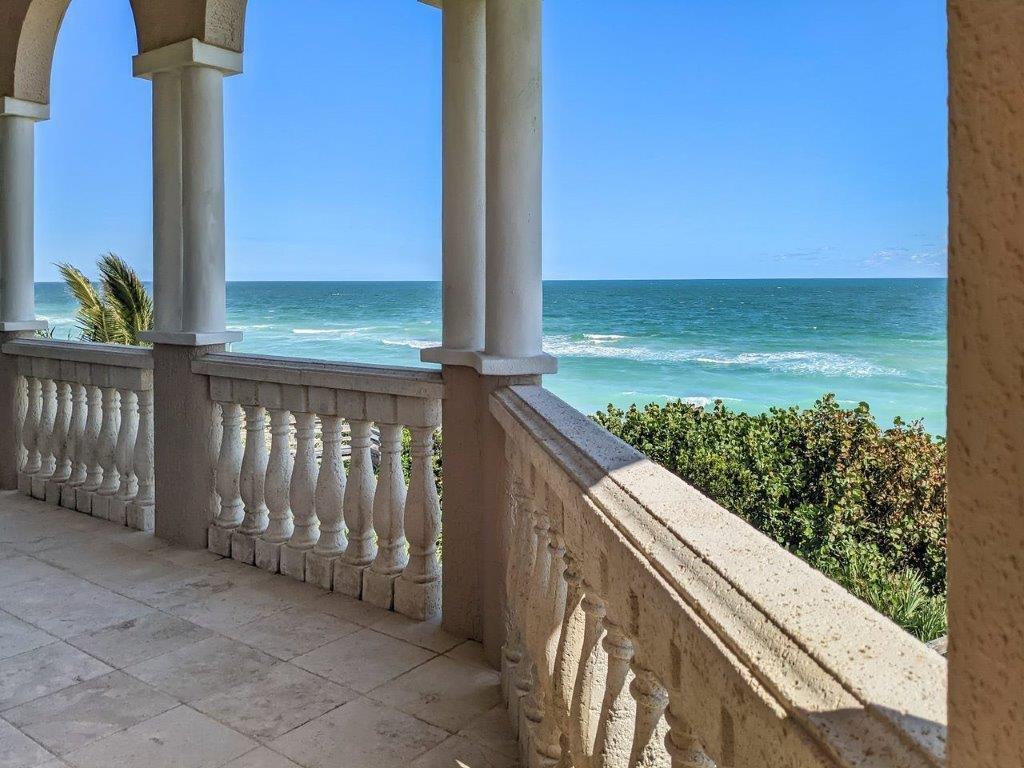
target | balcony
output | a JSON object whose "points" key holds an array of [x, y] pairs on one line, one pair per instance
{"points": [[643, 624]]}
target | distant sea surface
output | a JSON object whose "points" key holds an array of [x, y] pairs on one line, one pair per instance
{"points": [[752, 343]]}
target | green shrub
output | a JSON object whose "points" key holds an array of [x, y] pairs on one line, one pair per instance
{"points": [[864, 505]]}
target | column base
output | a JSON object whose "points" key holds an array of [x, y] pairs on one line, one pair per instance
{"points": [[379, 588], [191, 338], [293, 562], [117, 510], [418, 601], [268, 555], [141, 517], [219, 540], [348, 578], [243, 547], [83, 501], [51, 492], [68, 495], [38, 487], [101, 506], [320, 569]]}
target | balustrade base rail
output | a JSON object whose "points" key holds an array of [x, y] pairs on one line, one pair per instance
{"points": [[85, 418]]}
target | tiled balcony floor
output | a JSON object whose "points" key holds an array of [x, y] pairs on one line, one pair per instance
{"points": [[118, 650]]}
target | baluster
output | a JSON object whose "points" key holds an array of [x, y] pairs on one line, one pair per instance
{"points": [[91, 451], [649, 729], [418, 589], [585, 710], [251, 482], [388, 521], [141, 512], [548, 734], [519, 563], [61, 428], [682, 744], [570, 641], [531, 710], [330, 509], [20, 413], [306, 529], [30, 433], [47, 421], [617, 709], [276, 491], [522, 682], [124, 453], [229, 466], [348, 569], [107, 452], [76, 440]]}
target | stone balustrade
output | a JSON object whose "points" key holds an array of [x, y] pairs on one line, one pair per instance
{"points": [[647, 626], [344, 522], [85, 416]]}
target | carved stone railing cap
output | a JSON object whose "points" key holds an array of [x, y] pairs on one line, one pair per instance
{"points": [[116, 355], [379, 379], [852, 680]]}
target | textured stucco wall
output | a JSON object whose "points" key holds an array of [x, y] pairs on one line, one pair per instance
{"points": [[986, 383], [28, 34]]}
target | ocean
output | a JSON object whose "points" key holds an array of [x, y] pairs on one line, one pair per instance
{"points": [[751, 343]]}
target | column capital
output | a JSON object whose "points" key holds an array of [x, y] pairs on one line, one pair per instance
{"points": [[11, 107], [433, 3], [186, 53]]}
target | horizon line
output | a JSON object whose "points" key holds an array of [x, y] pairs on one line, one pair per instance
{"points": [[583, 279]]}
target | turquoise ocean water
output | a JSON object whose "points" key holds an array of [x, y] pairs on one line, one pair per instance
{"points": [[752, 343]]}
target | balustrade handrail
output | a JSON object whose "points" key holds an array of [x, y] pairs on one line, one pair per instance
{"points": [[748, 640], [116, 355], [377, 379]]}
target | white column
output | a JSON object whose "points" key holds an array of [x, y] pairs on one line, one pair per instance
{"points": [[463, 216], [188, 190], [202, 152], [167, 233], [514, 139], [17, 217]]}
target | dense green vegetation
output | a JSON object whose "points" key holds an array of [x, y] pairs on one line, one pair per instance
{"points": [[864, 505], [118, 311]]}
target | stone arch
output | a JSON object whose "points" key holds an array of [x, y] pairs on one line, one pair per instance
{"points": [[29, 28]]}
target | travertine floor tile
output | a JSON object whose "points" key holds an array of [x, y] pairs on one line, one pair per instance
{"points": [[460, 752], [493, 730], [135, 640], [270, 706], [71, 718], [17, 637], [66, 606], [443, 692], [36, 673], [349, 609], [361, 734], [469, 652], [231, 608], [18, 568], [19, 751], [290, 633], [203, 668], [426, 634], [363, 660], [261, 758], [179, 585], [179, 738]]}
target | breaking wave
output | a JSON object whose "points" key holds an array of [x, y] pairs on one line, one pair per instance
{"points": [[794, 362]]}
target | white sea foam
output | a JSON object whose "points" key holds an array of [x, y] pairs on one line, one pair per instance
{"points": [[604, 337], [798, 362], [411, 343]]}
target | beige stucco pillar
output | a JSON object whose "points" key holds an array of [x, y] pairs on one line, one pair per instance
{"points": [[986, 383], [189, 277]]}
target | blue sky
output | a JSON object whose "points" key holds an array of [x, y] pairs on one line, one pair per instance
{"points": [[683, 139]]}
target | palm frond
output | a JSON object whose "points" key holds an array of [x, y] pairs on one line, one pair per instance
{"points": [[90, 316], [126, 298]]}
